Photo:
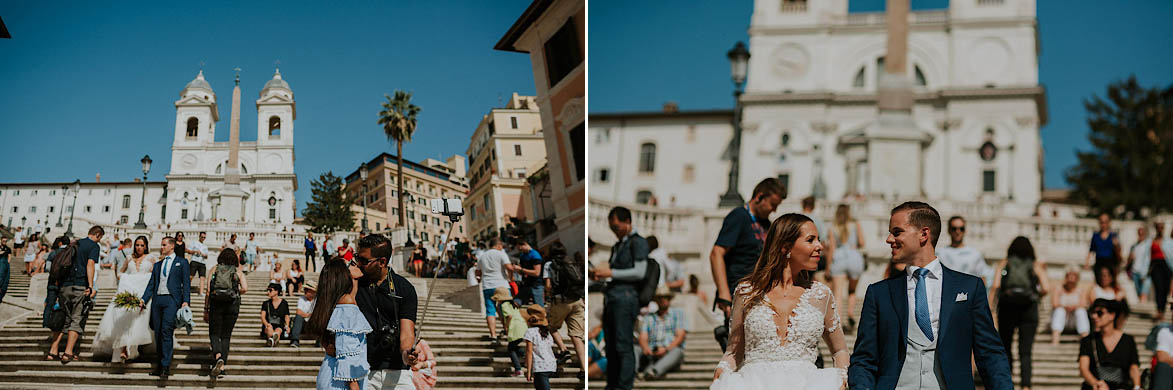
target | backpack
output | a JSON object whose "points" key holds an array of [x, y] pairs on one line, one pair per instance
{"points": [[62, 264], [647, 290], [1019, 282], [567, 278], [224, 284], [1150, 342]]}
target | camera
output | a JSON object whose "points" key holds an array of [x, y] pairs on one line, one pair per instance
{"points": [[450, 208]]}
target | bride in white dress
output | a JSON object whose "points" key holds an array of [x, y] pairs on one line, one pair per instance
{"points": [[779, 314], [121, 329]]}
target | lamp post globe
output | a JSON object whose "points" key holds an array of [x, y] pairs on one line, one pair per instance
{"points": [[738, 63], [739, 67], [142, 224], [73, 209]]}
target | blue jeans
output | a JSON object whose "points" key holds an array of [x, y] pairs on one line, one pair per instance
{"points": [[531, 294], [542, 380], [4, 275], [1142, 282], [490, 306], [620, 309]]}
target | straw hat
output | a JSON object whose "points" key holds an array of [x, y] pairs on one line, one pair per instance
{"points": [[663, 292], [310, 285], [501, 294], [535, 315]]}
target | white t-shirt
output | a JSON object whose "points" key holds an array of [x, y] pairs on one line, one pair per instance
{"points": [[18, 237], [1165, 341], [472, 277], [202, 249], [250, 247], [492, 264], [544, 360], [306, 305]]}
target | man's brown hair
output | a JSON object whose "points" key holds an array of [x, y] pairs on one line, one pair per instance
{"points": [[769, 186], [808, 202], [922, 215]]}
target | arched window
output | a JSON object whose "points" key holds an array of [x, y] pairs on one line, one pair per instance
{"points": [[274, 126], [920, 76], [643, 197], [126, 201], [858, 82], [647, 158], [193, 126]]}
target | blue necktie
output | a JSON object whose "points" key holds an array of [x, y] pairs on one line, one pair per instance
{"points": [[922, 305], [167, 271]]}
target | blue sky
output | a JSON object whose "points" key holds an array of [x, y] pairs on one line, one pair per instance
{"points": [[89, 87], [638, 59]]}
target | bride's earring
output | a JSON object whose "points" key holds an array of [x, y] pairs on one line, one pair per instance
{"points": [[787, 255]]}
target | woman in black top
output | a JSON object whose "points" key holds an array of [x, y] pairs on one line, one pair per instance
{"points": [[221, 313], [180, 246], [274, 315], [1108, 358], [1018, 306]]}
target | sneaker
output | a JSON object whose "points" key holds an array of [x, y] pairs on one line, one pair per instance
{"points": [[516, 373], [218, 368], [294, 344], [269, 342]]}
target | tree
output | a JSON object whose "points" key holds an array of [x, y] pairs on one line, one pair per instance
{"points": [[398, 118], [330, 209], [1129, 171]]}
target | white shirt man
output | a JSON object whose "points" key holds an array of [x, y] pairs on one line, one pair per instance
{"points": [[492, 264]]}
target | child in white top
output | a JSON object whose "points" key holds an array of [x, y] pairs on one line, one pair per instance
{"points": [[539, 345]]}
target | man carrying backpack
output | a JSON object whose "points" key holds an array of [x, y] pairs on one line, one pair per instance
{"points": [[73, 270], [564, 280], [627, 270]]}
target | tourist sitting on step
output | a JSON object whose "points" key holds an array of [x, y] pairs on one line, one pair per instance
{"points": [[279, 277], [1108, 357], [274, 316], [1069, 308], [305, 308], [294, 278], [1163, 358], [661, 339]]}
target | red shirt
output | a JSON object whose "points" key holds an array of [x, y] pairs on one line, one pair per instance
{"points": [[348, 254], [1157, 254]]}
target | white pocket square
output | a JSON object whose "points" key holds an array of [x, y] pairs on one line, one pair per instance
{"points": [[961, 297]]}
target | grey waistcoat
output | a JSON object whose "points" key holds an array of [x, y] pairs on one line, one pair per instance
{"points": [[921, 370]]}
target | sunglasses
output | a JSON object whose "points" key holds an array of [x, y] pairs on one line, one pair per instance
{"points": [[1099, 312], [957, 229]]}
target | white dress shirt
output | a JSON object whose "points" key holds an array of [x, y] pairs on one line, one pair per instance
{"points": [[933, 289], [164, 273]]}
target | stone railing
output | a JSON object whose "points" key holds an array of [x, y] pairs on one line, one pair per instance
{"points": [[793, 6], [690, 233], [880, 18]]}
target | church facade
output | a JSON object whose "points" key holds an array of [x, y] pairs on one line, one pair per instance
{"points": [[199, 165], [810, 115]]}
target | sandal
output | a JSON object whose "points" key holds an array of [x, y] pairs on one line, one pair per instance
{"points": [[52, 357], [67, 357]]}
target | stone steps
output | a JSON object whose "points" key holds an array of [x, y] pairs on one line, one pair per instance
{"points": [[465, 358]]}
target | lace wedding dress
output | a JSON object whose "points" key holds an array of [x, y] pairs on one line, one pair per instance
{"points": [[761, 356], [127, 328]]}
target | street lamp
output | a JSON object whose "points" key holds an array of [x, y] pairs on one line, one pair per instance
{"points": [[739, 64], [410, 200], [73, 209], [362, 172], [61, 211], [141, 224]]}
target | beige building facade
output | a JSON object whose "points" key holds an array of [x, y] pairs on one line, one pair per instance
{"points": [[506, 148], [422, 181], [552, 33]]}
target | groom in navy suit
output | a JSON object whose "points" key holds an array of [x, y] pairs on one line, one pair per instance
{"points": [[919, 328], [170, 286]]}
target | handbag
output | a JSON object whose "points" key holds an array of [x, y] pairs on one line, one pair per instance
{"points": [[1113, 376]]}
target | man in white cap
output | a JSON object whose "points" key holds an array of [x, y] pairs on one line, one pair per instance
{"points": [[305, 307]]}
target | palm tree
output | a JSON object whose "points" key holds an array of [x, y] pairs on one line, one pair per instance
{"points": [[398, 118]]}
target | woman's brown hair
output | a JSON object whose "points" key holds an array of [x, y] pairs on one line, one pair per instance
{"points": [[772, 263]]}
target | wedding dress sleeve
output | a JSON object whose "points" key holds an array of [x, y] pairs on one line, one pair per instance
{"points": [[833, 334], [735, 350]]}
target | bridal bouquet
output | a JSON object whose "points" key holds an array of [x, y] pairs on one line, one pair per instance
{"points": [[127, 300]]}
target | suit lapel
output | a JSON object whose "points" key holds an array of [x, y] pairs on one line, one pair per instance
{"points": [[898, 288], [948, 299]]}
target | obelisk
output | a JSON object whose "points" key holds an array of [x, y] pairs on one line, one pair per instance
{"points": [[231, 197], [895, 143]]}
